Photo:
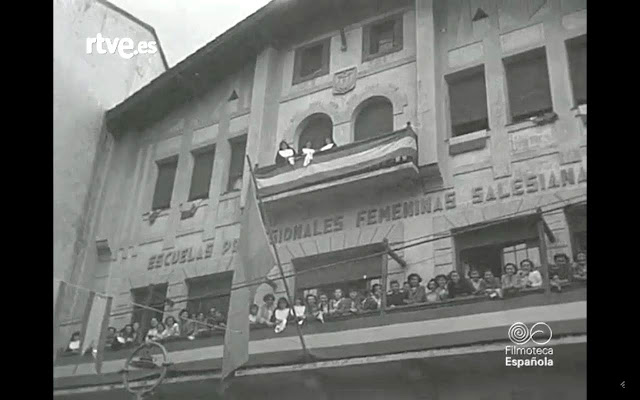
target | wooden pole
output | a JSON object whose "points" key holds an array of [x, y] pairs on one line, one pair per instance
{"points": [[275, 251], [544, 257]]}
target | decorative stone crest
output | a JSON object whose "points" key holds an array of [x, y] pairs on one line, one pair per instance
{"points": [[345, 80]]}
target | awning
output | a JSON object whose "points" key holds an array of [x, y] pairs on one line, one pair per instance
{"points": [[351, 159]]}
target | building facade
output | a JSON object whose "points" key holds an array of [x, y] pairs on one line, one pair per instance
{"points": [[459, 125]]}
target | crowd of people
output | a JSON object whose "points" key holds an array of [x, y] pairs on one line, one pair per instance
{"points": [[442, 287], [313, 307]]}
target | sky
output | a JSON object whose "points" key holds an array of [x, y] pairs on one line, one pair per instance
{"points": [[184, 26]]}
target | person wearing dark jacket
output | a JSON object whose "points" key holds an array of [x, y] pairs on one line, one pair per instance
{"points": [[395, 296], [286, 154], [458, 286]]}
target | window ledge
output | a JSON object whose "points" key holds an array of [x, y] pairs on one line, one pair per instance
{"points": [[468, 142], [230, 195], [368, 57], [152, 215], [189, 208], [543, 119]]}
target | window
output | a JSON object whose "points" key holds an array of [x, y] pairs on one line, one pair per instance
{"points": [[382, 37], [375, 118], [528, 85], [164, 183], [517, 252], [577, 53], [468, 101], [315, 129], [577, 220], [236, 168], [311, 61], [209, 291], [153, 296], [202, 170]]}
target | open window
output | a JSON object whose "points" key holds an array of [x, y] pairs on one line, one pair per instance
{"points": [[382, 37], [311, 61], [468, 101], [164, 183], [315, 129], [209, 291], [528, 85], [202, 170], [577, 220], [374, 118], [577, 54], [236, 167], [153, 296]]}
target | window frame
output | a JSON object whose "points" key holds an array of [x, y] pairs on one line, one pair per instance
{"points": [[160, 164], [398, 38], [325, 60], [192, 301], [230, 176], [196, 153], [572, 43], [462, 75]]}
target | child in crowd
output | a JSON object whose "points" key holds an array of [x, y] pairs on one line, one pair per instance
{"points": [[442, 290], [395, 296], [187, 327], [492, 285], [530, 277], [511, 282], [339, 305], [281, 315], [74, 343], [374, 300], [300, 311], [432, 296], [313, 309], [416, 293], [355, 302], [253, 314], [580, 266], [559, 274], [459, 286], [476, 282], [266, 310], [172, 329], [154, 332]]}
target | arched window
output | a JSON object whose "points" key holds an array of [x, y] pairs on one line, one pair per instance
{"points": [[315, 129], [374, 118]]}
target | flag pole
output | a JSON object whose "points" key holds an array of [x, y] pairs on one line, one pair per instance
{"points": [[275, 251]]}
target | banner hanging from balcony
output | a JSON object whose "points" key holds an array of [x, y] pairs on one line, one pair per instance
{"points": [[339, 162]]}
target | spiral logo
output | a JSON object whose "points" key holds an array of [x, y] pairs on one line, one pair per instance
{"points": [[519, 333], [540, 333]]}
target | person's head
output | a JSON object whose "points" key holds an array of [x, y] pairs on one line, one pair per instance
{"points": [[394, 285], [405, 286], [561, 259], [253, 309], [154, 322], [161, 327], [311, 299], [200, 316], [169, 321], [269, 299], [441, 280], [474, 275], [212, 311], [581, 258], [376, 290], [454, 276], [432, 285], [488, 275], [308, 145], [75, 336], [510, 268], [328, 140], [136, 326], [112, 330], [184, 314], [337, 294], [323, 298], [526, 266], [283, 145], [298, 301], [283, 303], [353, 293], [128, 329], [414, 280]]}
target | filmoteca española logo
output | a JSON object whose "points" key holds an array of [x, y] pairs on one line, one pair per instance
{"points": [[529, 356], [521, 335]]}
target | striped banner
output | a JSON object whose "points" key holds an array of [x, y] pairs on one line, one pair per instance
{"points": [[338, 162]]}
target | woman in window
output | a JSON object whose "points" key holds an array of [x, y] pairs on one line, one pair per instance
{"points": [[162, 332], [511, 282], [442, 289], [286, 154], [324, 304], [432, 295], [74, 343], [559, 273], [267, 309], [458, 286], [476, 281], [339, 305], [187, 327], [281, 315], [328, 144], [300, 311], [530, 277], [313, 309], [307, 151], [580, 266], [374, 300], [154, 332], [127, 336], [172, 328], [492, 285], [215, 319], [201, 325], [253, 315], [416, 293]]}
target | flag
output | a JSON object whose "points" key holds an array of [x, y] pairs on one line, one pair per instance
{"points": [[256, 260], [59, 291], [95, 327]]}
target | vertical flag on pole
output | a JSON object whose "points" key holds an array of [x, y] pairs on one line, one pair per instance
{"points": [[59, 290], [256, 260], [96, 327]]}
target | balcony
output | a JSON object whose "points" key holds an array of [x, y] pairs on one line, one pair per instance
{"points": [[441, 326], [380, 161]]}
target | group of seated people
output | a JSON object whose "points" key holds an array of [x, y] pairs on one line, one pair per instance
{"points": [[442, 287], [188, 326], [286, 154]]}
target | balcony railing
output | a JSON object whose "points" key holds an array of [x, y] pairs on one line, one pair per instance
{"points": [[355, 159]]}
